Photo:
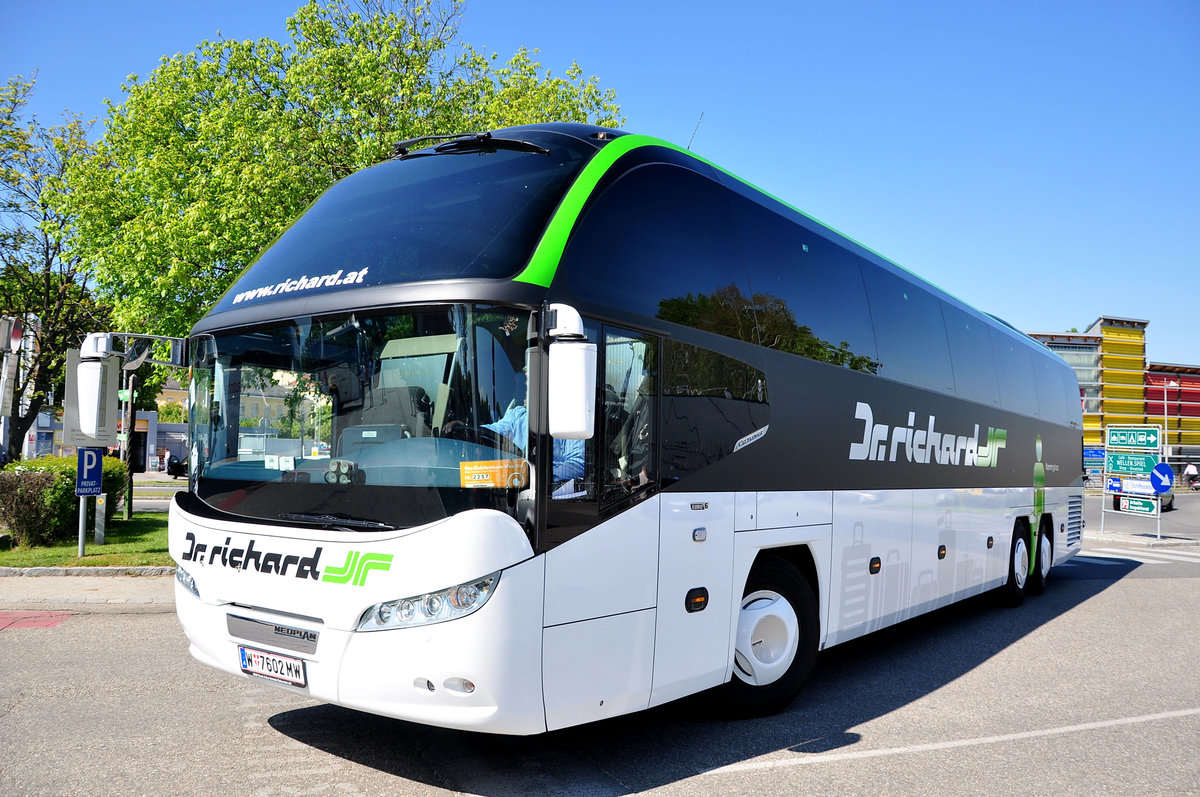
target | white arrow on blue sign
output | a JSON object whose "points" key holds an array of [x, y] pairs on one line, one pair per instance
{"points": [[1162, 477]]}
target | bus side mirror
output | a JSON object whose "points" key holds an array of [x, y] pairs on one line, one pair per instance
{"points": [[572, 378], [572, 399]]}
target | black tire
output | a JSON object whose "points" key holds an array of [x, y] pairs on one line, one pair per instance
{"points": [[780, 638], [1041, 568], [1013, 591]]}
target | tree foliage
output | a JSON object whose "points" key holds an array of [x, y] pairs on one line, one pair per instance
{"points": [[38, 501], [213, 154], [41, 282], [171, 412]]}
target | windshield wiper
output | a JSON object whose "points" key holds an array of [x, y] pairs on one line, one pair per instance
{"points": [[337, 521], [486, 142], [468, 142], [401, 148]]}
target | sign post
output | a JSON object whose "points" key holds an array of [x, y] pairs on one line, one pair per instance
{"points": [[87, 482], [101, 518], [1133, 472]]}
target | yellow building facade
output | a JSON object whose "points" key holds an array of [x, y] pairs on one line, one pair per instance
{"points": [[1119, 387]]}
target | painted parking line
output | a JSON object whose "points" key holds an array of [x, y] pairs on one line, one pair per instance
{"points": [[1121, 558], [1149, 557], [1064, 730], [1084, 559], [11, 621]]}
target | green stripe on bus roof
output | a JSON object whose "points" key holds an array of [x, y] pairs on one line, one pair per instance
{"points": [[543, 264]]}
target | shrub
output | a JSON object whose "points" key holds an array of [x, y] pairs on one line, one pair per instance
{"points": [[23, 506], [38, 501]]}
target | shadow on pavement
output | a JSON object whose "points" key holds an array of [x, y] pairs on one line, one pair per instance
{"points": [[851, 685]]}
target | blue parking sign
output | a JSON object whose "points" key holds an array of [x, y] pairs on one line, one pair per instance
{"points": [[88, 472]]}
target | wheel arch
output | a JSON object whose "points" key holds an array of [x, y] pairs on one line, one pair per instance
{"points": [[807, 549], [1047, 527], [777, 571], [800, 556]]}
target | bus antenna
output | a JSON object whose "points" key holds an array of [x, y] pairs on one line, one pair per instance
{"points": [[693, 138]]}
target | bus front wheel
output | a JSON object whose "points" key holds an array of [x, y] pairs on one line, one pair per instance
{"points": [[776, 643]]}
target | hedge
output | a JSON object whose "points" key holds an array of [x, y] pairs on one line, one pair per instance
{"points": [[38, 501]]}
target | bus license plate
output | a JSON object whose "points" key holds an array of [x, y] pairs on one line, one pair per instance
{"points": [[272, 665]]}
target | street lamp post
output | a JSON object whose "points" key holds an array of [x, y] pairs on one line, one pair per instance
{"points": [[1166, 421]]}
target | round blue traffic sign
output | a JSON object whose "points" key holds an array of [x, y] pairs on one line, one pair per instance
{"points": [[1162, 477]]}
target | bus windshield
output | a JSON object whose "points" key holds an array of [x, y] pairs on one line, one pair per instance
{"points": [[361, 421], [460, 214]]}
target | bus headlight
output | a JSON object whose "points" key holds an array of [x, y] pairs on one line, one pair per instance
{"points": [[185, 578], [432, 607]]}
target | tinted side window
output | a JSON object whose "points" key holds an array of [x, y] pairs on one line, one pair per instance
{"points": [[659, 242], [971, 356], [807, 291], [909, 331], [1073, 394], [630, 397], [1014, 371], [712, 404], [1052, 399], [573, 507], [620, 461]]}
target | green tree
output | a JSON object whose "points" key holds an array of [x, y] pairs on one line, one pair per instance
{"points": [[171, 412], [213, 154], [41, 281]]}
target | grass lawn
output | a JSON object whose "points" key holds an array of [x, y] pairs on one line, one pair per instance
{"points": [[139, 542]]}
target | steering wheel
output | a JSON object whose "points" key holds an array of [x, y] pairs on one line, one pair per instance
{"points": [[457, 430]]}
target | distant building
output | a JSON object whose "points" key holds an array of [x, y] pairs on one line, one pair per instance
{"points": [[1118, 386]]}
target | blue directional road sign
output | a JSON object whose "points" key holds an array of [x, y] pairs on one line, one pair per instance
{"points": [[1162, 477], [87, 474]]}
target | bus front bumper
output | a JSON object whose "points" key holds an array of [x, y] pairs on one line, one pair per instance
{"points": [[481, 672]]}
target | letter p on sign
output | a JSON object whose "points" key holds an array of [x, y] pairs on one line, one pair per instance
{"points": [[88, 471]]}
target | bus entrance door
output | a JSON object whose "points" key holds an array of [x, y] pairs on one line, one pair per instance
{"points": [[691, 639]]}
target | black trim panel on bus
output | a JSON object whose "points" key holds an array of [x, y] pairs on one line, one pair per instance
{"points": [[439, 292], [665, 246]]}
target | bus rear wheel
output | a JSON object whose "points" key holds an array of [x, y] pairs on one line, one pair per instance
{"points": [[1041, 568], [1013, 591], [776, 643]]}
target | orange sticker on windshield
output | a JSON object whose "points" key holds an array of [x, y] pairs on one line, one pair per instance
{"points": [[494, 473]]}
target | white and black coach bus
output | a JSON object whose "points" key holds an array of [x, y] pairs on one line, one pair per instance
{"points": [[529, 428]]}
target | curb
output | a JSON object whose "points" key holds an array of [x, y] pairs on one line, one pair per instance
{"points": [[86, 571], [53, 603]]}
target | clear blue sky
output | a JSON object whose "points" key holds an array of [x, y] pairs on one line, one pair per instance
{"points": [[1039, 160]]}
